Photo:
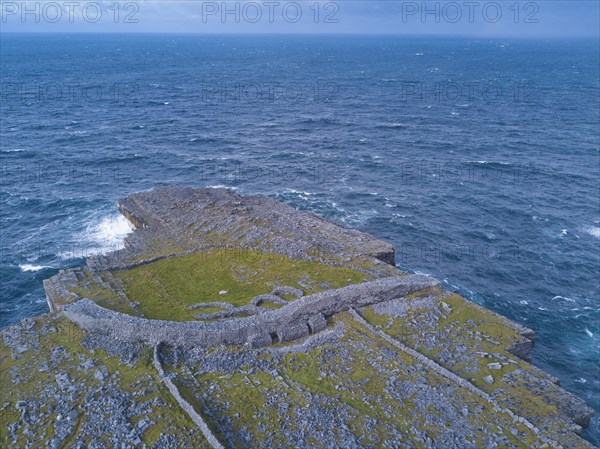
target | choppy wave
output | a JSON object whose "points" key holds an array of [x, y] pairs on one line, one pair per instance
{"points": [[104, 235], [393, 125], [594, 231], [221, 186], [31, 267], [489, 163]]}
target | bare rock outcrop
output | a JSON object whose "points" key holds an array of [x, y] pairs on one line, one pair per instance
{"points": [[190, 219]]}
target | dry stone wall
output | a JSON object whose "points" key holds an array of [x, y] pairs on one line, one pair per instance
{"points": [[287, 323]]}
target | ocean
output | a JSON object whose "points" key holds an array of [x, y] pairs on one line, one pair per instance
{"points": [[478, 159]]}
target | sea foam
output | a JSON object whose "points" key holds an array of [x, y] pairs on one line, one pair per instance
{"points": [[107, 234], [30, 267], [594, 231]]}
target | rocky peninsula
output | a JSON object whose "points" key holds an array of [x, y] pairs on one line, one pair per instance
{"points": [[233, 321]]}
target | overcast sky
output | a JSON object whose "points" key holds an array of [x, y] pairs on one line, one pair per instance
{"points": [[549, 18]]}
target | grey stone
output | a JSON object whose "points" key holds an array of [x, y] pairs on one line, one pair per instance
{"points": [[292, 332], [259, 340], [63, 381], [101, 373], [317, 323]]}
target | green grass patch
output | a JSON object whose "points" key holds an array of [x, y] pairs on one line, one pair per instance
{"points": [[166, 288]]}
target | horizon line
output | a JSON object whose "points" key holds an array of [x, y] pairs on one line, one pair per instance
{"points": [[308, 33]]}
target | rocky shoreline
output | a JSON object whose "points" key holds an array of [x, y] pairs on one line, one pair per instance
{"points": [[230, 321]]}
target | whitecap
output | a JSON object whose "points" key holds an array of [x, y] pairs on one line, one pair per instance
{"points": [[221, 186], [104, 235], [524, 302], [487, 162], [111, 229], [594, 231], [563, 297], [16, 150], [587, 331], [298, 192], [30, 267], [581, 380]]}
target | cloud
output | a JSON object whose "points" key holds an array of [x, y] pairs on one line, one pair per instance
{"points": [[548, 18]]}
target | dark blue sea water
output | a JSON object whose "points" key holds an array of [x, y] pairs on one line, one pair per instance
{"points": [[479, 159]]}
